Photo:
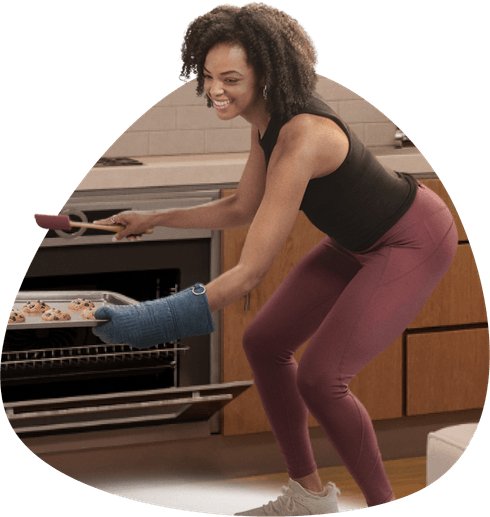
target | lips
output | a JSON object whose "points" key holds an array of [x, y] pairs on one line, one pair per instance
{"points": [[221, 105]]}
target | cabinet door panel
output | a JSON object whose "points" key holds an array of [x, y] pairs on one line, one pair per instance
{"points": [[447, 371], [246, 415], [458, 299]]}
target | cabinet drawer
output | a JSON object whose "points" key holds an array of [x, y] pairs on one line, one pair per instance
{"points": [[438, 188], [458, 299], [447, 371]]}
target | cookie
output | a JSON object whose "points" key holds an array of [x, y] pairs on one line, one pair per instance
{"points": [[89, 314], [55, 315], [35, 307], [17, 317], [81, 304]]}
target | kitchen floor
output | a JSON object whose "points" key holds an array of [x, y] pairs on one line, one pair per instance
{"points": [[151, 473], [227, 497]]}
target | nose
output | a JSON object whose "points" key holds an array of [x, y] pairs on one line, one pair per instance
{"points": [[216, 88]]}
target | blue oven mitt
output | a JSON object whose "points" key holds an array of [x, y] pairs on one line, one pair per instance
{"points": [[180, 315]]}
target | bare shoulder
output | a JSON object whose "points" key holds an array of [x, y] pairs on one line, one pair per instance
{"points": [[306, 126], [319, 141]]}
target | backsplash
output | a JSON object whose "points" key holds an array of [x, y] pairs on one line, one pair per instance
{"points": [[183, 124]]}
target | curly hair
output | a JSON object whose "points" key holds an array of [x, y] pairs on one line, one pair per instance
{"points": [[276, 46]]}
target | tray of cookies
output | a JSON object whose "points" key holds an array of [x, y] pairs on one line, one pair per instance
{"points": [[48, 309]]}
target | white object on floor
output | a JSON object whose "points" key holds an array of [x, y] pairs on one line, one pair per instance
{"points": [[445, 447]]}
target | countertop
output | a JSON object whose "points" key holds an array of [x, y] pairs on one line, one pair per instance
{"points": [[218, 170]]}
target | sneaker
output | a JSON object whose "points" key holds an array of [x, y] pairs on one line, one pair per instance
{"points": [[295, 500]]}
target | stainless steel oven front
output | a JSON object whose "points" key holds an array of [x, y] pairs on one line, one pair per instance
{"points": [[64, 380]]}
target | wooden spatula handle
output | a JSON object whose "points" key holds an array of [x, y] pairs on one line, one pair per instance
{"points": [[109, 228]]}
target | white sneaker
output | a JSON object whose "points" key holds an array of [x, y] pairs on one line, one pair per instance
{"points": [[295, 500]]}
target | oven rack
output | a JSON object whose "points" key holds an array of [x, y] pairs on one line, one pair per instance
{"points": [[84, 355]]}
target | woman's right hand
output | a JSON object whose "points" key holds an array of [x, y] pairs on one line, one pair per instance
{"points": [[136, 222]]}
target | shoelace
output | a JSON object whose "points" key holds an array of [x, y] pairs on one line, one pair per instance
{"points": [[283, 502]]}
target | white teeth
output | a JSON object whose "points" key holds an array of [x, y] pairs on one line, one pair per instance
{"points": [[222, 103]]}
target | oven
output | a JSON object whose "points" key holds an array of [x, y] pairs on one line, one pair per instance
{"points": [[61, 379]]}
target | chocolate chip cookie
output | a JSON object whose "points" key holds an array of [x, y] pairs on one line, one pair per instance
{"points": [[16, 317], [80, 304], [37, 307], [55, 315]]}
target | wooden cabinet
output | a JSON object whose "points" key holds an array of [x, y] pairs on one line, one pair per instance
{"points": [[458, 299], [447, 371], [437, 365]]}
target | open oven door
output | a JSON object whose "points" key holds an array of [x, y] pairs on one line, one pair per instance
{"points": [[45, 390], [115, 410]]}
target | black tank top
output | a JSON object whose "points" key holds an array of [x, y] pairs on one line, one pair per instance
{"points": [[360, 201]]}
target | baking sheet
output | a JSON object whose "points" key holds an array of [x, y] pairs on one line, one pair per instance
{"points": [[60, 300]]}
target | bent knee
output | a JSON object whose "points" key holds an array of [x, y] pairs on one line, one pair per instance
{"points": [[261, 345], [313, 383], [257, 342], [251, 341]]}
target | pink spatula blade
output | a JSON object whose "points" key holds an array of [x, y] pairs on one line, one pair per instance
{"points": [[53, 222]]}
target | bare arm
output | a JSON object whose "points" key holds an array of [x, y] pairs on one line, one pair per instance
{"points": [[304, 149], [230, 212], [221, 214]]}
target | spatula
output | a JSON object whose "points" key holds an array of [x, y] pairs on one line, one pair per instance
{"points": [[62, 222]]}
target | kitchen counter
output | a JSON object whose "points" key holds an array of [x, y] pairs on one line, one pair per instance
{"points": [[218, 170]]}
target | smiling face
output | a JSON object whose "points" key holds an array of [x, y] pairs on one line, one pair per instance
{"points": [[232, 85]]}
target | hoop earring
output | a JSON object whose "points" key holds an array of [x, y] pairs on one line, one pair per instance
{"points": [[264, 92]]}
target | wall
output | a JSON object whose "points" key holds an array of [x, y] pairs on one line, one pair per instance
{"points": [[182, 124]]}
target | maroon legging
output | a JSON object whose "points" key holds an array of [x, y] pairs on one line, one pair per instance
{"points": [[353, 306]]}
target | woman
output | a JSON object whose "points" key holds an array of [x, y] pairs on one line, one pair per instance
{"points": [[389, 241]]}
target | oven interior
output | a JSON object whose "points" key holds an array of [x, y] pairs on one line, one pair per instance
{"points": [[68, 362]]}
